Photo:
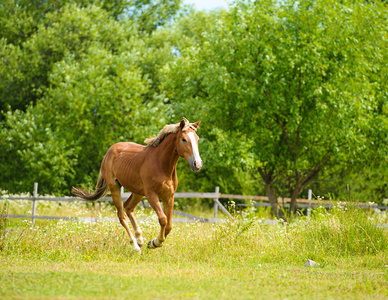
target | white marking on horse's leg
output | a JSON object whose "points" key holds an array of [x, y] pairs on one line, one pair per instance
{"points": [[158, 241], [155, 243], [135, 225], [124, 223], [139, 237], [136, 247], [197, 158], [134, 241]]}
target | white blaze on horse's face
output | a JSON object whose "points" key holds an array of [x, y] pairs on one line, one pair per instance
{"points": [[195, 160]]}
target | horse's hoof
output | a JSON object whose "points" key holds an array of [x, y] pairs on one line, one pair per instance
{"points": [[151, 245], [136, 248]]}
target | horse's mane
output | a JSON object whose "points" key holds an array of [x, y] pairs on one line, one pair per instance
{"points": [[167, 129]]}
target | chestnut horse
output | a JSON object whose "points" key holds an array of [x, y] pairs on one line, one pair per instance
{"points": [[148, 171]]}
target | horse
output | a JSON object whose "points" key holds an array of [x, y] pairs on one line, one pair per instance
{"points": [[148, 171]]}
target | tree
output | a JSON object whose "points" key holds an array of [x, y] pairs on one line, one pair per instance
{"points": [[152, 14], [287, 89], [36, 34], [186, 33], [25, 68], [89, 93]]}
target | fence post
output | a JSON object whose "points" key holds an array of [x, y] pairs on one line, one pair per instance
{"points": [[219, 205], [34, 205], [309, 196], [217, 192]]}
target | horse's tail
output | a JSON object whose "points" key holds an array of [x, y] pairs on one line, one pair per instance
{"points": [[100, 191]]}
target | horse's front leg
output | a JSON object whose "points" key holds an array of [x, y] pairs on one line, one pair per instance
{"points": [[153, 200], [168, 207]]}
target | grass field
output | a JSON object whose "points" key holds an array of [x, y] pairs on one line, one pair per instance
{"points": [[244, 259]]}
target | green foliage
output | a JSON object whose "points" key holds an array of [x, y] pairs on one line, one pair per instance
{"points": [[69, 30], [151, 14], [32, 153], [369, 184], [90, 105], [16, 23], [291, 96], [287, 90], [37, 34], [186, 33], [20, 18], [90, 88]]}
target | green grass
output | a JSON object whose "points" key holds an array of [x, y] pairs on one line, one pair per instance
{"points": [[92, 209], [237, 260], [151, 278]]}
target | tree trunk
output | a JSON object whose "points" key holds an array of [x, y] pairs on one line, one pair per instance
{"points": [[300, 183], [273, 200], [294, 203], [267, 176]]}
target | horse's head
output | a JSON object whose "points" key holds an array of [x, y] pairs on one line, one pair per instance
{"points": [[187, 144]]}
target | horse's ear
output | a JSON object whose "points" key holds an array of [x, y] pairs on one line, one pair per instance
{"points": [[182, 124], [196, 124]]}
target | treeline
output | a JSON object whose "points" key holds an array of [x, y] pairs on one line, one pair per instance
{"points": [[293, 95]]}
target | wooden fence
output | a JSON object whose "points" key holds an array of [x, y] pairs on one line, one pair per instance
{"points": [[258, 201]]}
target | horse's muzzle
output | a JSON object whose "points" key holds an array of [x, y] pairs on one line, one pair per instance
{"points": [[195, 165]]}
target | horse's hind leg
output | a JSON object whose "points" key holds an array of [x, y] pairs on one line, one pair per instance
{"points": [[116, 197], [129, 206]]}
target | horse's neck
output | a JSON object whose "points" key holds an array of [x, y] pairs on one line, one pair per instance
{"points": [[168, 156]]}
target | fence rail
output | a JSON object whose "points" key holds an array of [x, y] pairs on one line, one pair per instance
{"points": [[187, 218]]}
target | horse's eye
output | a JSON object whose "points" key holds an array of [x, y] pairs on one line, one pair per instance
{"points": [[184, 140]]}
